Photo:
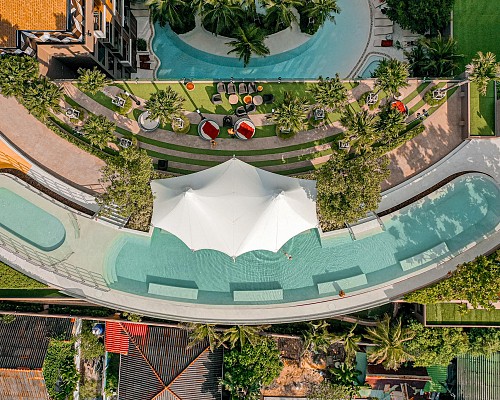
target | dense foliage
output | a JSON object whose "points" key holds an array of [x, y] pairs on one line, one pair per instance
{"points": [[12, 279], [99, 130], [390, 76], [91, 346], [249, 40], [16, 72], [330, 391], [435, 346], [349, 188], [59, 370], [128, 177], [420, 16], [249, 368], [463, 284], [483, 69], [290, 116], [329, 94], [165, 105], [92, 80]]}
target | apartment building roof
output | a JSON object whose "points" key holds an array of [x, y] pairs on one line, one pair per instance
{"points": [[22, 385], [44, 15]]}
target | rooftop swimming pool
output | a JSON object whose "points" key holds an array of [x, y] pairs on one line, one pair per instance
{"points": [[428, 231], [29, 222], [335, 48]]}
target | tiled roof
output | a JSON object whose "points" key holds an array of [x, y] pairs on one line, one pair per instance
{"points": [[44, 15], [478, 378], [22, 385], [23, 342], [159, 365]]}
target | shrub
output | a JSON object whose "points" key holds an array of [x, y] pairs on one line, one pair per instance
{"points": [[59, 370], [141, 45], [91, 346], [12, 279], [185, 128], [432, 101], [126, 107], [92, 80]]}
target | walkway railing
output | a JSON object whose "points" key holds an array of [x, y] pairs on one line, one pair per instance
{"points": [[51, 264]]}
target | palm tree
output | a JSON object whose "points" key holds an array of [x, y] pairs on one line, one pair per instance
{"points": [[442, 56], [201, 332], [92, 80], [243, 334], [317, 338], [350, 341], [361, 127], [99, 130], [329, 94], [390, 124], [290, 116], [16, 72], [249, 40], [41, 97], [391, 75], [482, 70], [166, 11], [221, 15], [321, 10], [279, 13], [165, 105], [418, 60], [389, 340]]}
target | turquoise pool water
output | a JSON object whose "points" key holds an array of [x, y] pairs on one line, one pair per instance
{"points": [[371, 65], [336, 47], [458, 214], [29, 222]]}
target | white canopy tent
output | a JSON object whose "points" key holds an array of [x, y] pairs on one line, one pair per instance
{"points": [[234, 208]]}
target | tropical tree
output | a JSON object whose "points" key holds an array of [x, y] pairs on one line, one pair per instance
{"points": [[417, 60], [329, 391], [201, 332], [482, 70], [17, 72], [249, 368], [361, 128], [92, 80], [221, 15], [321, 10], [345, 374], [290, 116], [391, 75], [390, 123], [329, 94], [166, 11], [165, 105], [99, 130], [442, 56], [348, 188], [41, 97], [279, 13], [242, 335], [389, 339], [317, 338], [484, 341], [126, 180], [350, 341], [249, 40]]}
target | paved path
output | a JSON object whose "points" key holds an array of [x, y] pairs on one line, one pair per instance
{"points": [[43, 146]]}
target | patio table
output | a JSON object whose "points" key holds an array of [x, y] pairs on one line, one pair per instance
{"points": [[233, 99], [257, 100]]}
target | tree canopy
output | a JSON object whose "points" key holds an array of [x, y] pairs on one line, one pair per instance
{"points": [[249, 368], [349, 188], [92, 80], [463, 284], [420, 16]]}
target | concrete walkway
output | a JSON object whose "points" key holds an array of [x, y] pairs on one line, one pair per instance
{"points": [[55, 154]]}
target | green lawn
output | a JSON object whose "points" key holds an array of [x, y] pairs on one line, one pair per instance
{"points": [[11, 279], [476, 27], [482, 111], [449, 314]]}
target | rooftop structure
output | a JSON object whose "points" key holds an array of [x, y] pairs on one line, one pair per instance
{"points": [[477, 377], [156, 362], [22, 384], [67, 34]]}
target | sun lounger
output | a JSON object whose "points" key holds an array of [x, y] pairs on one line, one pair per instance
{"points": [[383, 22], [217, 98], [240, 111], [242, 88], [250, 108], [231, 88], [268, 98], [252, 87], [258, 295], [173, 291], [221, 87], [424, 257], [384, 30]]}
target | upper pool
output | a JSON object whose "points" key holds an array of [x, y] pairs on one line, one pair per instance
{"points": [[29, 222], [335, 48], [439, 225]]}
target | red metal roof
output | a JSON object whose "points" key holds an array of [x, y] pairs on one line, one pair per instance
{"points": [[116, 339]]}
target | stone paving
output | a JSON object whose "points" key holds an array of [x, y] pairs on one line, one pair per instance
{"points": [[53, 153]]}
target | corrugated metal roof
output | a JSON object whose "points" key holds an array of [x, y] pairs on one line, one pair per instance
{"points": [[478, 378], [160, 365], [115, 338], [22, 385], [24, 342]]}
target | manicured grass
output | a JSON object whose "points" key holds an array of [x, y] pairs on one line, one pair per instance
{"points": [[30, 293], [476, 27], [12, 279], [482, 111], [415, 93], [449, 314]]}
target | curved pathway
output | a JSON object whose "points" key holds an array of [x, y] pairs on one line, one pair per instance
{"points": [[53, 153]]}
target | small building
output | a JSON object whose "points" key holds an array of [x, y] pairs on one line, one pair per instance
{"points": [[158, 363], [478, 378], [67, 34]]}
